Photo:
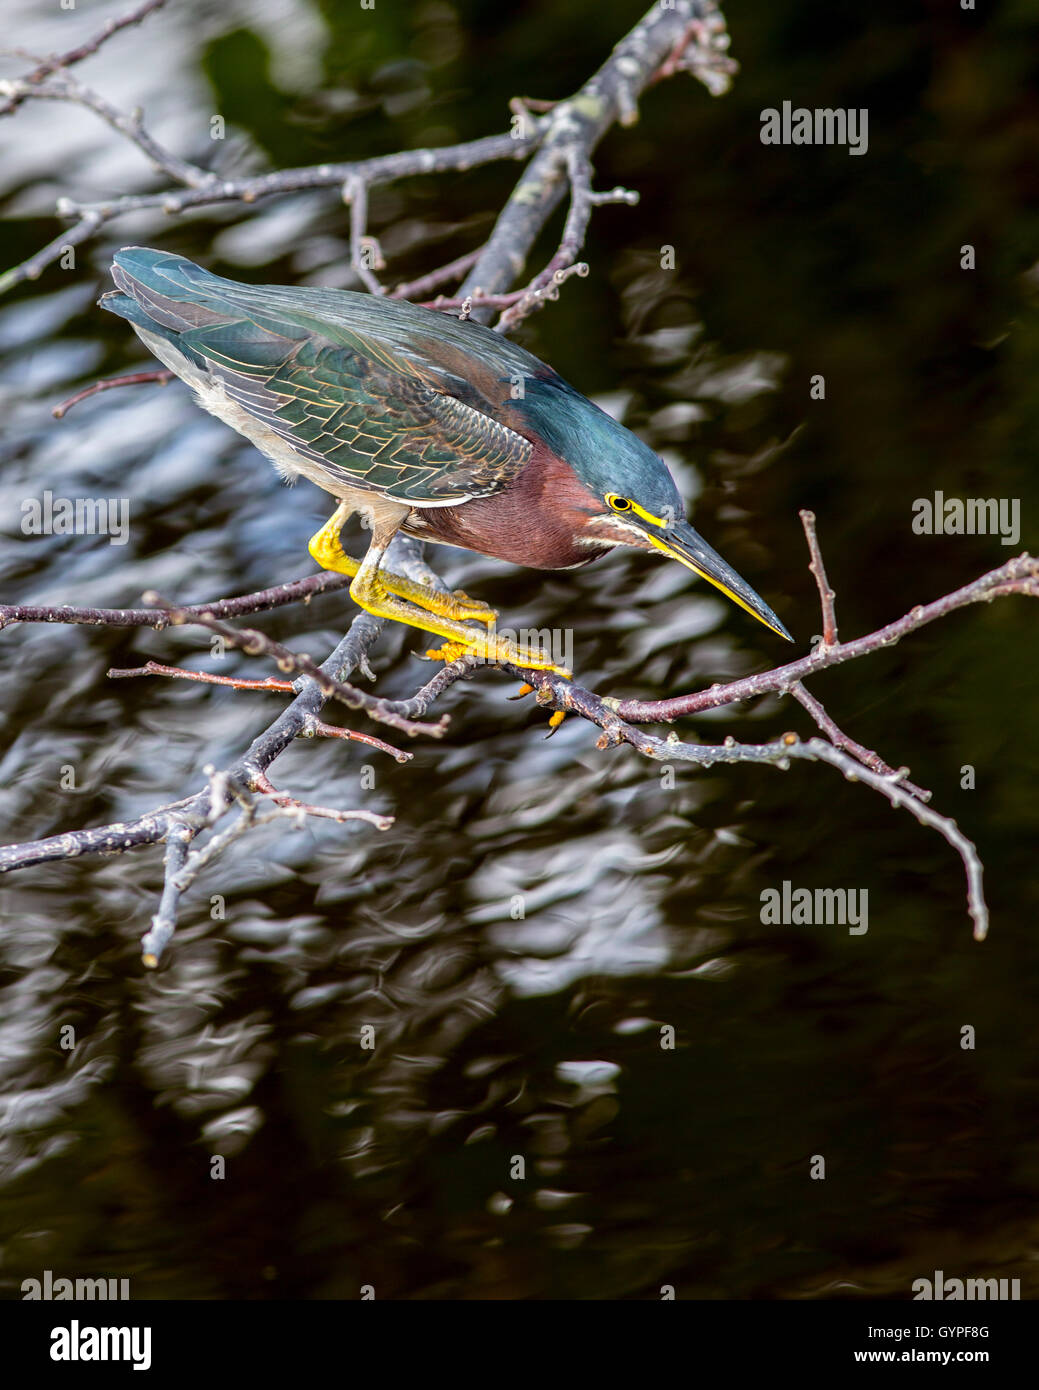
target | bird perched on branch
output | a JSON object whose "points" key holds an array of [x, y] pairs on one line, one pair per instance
{"points": [[441, 429]]}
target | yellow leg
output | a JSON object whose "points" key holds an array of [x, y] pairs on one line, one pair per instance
{"points": [[370, 592], [326, 549]]}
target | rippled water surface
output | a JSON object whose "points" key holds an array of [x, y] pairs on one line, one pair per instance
{"points": [[541, 913]]}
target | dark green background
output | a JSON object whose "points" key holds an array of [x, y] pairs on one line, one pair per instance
{"points": [[687, 1167]]}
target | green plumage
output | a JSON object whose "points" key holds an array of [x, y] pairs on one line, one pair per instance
{"points": [[341, 378]]}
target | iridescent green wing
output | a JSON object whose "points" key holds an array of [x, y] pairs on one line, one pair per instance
{"points": [[365, 418]]}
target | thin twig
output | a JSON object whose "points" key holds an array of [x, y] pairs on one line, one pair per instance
{"points": [[826, 594], [702, 51], [262, 601], [315, 728], [84, 50], [203, 808], [559, 694], [266, 787], [89, 217], [164, 923], [34, 266], [161, 378], [62, 86], [183, 864], [255, 643], [443, 275], [482, 301], [355, 192], [156, 668], [840, 739], [564, 263], [1018, 576]]}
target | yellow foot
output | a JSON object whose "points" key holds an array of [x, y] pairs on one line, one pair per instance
{"points": [[492, 648], [450, 651], [468, 608], [507, 651], [369, 592], [326, 549]]}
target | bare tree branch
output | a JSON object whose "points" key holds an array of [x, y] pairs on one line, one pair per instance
{"points": [[188, 818], [687, 36], [840, 739], [317, 728], [62, 86], [566, 136], [396, 713], [262, 601], [572, 130], [362, 247], [454, 270], [858, 764], [1017, 576], [84, 50]]}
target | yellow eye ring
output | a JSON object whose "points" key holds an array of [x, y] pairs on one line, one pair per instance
{"points": [[619, 504]]}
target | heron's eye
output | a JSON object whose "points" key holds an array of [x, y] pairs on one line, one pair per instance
{"points": [[619, 504]]}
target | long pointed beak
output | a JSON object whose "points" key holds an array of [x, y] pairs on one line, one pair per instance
{"points": [[682, 543]]}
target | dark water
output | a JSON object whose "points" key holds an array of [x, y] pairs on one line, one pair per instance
{"points": [[541, 1037]]}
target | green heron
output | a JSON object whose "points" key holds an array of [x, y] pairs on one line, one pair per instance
{"points": [[422, 423]]}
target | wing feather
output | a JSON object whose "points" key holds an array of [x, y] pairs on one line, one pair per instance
{"points": [[361, 419]]}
